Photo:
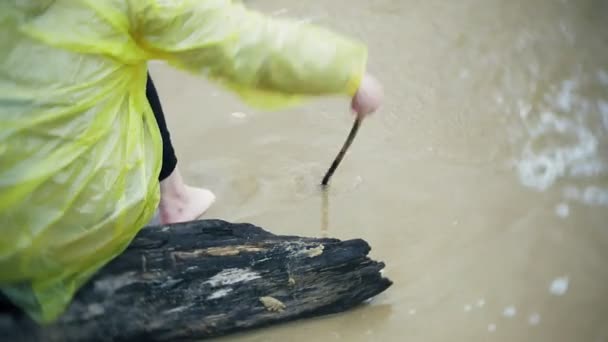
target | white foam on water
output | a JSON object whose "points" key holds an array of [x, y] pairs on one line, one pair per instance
{"points": [[559, 286], [280, 11], [591, 168], [239, 115], [499, 98], [467, 308], [534, 319], [567, 32], [464, 73], [523, 108], [565, 98], [492, 327], [571, 192], [540, 169], [412, 311], [562, 210], [595, 196], [311, 20], [561, 142], [509, 311], [538, 172], [602, 76], [481, 302], [590, 195], [603, 108]]}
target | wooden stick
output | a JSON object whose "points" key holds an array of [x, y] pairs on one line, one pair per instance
{"points": [[347, 143]]}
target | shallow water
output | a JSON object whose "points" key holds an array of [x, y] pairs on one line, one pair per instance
{"points": [[482, 183]]}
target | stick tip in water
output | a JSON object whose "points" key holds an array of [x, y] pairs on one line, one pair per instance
{"points": [[325, 181]]}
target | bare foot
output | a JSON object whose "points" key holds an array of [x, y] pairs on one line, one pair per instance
{"points": [[180, 202]]}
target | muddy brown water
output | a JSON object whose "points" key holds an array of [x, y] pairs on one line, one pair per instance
{"points": [[482, 183]]}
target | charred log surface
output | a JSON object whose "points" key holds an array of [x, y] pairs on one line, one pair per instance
{"points": [[210, 278]]}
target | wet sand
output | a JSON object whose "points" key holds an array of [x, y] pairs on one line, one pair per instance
{"points": [[482, 183]]}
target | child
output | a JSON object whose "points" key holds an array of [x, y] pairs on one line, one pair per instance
{"points": [[80, 145], [180, 202]]}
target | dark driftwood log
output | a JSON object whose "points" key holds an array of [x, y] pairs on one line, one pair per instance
{"points": [[210, 278]]}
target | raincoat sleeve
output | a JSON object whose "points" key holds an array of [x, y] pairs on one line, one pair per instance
{"points": [[268, 62]]}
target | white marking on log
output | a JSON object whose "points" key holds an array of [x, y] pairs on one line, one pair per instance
{"points": [[314, 252], [94, 310], [109, 285], [300, 248], [232, 276], [176, 310], [219, 294], [272, 304]]}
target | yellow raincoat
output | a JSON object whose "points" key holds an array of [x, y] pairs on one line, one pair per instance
{"points": [[79, 146]]}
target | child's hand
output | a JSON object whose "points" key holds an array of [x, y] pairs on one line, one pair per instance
{"points": [[369, 96]]}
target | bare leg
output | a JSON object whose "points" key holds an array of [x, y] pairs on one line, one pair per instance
{"points": [[178, 201]]}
